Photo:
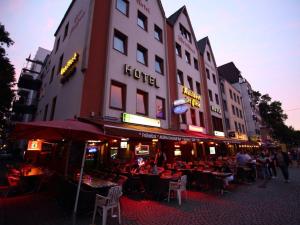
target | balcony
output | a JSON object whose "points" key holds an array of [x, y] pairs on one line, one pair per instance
{"points": [[28, 82]]}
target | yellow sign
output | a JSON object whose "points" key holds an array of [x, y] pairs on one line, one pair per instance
{"points": [[69, 65], [193, 98], [34, 145], [131, 118]]}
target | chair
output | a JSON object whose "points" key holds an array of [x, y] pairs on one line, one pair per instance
{"points": [[178, 186], [110, 202]]}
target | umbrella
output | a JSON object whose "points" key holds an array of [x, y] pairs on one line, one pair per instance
{"points": [[70, 129]]}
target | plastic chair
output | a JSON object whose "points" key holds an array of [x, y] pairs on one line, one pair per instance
{"points": [[179, 187], [110, 202]]}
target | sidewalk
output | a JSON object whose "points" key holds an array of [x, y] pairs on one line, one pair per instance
{"points": [[277, 204]]}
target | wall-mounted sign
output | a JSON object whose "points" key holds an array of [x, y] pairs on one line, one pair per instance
{"points": [[123, 144], [212, 150], [34, 145], [196, 128], [179, 102], [68, 70], [138, 75], [219, 133], [215, 109], [142, 149], [131, 118], [180, 109], [143, 5], [192, 97]]}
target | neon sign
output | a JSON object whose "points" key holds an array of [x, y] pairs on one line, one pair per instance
{"points": [[69, 68], [193, 98], [131, 118]]}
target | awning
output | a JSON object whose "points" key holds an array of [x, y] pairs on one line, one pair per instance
{"points": [[136, 131], [208, 136]]}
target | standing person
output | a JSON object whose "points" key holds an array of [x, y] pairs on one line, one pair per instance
{"points": [[272, 160], [283, 163], [160, 158]]}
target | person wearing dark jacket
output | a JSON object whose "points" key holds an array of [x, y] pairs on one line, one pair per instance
{"points": [[283, 164]]}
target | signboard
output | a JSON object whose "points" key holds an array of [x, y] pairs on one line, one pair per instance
{"points": [[142, 150], [131, 118], [196, 128], [179, 102], [139, 75], [215, 109], [212, 150], [180, 109], [123, 144], [68, 70], [219, 133], [34, 145], [192, 97]]}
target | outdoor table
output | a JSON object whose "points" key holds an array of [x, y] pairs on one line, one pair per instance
{"points": [[95, 182], [221, 174]]}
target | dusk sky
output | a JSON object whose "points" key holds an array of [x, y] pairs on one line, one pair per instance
{"points": [[262, 38]]}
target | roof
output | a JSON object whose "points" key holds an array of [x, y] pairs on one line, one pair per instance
{"points": [[63, 19], [202, 44], [173, 18], [229, 72]]}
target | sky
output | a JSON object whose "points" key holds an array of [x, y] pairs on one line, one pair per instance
{"points": [[261, 37]]}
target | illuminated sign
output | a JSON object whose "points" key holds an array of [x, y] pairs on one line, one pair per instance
{"points": [[34, 145], [180, 109], [131, 118], [196, 128], [138, 75], [193, 98], [142, 149], [69, 69], [179, 102], [123, 144], [212, 150], [177, 152], [219, 133], [215, 109]]}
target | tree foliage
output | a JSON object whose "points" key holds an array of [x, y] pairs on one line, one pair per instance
{"points": [[7, 79], [274, 117]]}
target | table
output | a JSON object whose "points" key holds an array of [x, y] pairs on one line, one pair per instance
{"points": [[95, 182]]}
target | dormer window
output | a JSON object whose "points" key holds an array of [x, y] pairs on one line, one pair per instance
{"points": [[185, 33]]}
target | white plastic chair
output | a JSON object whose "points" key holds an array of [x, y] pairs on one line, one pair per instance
{"points": [[178, 187], [110, 202]]}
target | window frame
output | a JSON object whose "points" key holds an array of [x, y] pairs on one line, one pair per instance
{"points": [[158, 30], [196, 65], [146, 102], [207, 73], [160, 62], [179, 75], [193, 117], [66, 31], [210, 95], [164, 107], [178, 51], [127, 7], [144, 19], [123, 93], [187, 57], [124, 38], [198, 88], [145, 54], [190, 83], [217, 99]]}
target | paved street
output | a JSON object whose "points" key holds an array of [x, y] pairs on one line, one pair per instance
{"points": [[276, 204]]}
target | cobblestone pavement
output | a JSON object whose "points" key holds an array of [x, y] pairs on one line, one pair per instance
{"points": [[277, 203]]}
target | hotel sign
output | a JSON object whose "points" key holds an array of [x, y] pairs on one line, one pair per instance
{"points": [[139, 75], [215, 109], [219, 133], [68, 70], [131, 118], [192, 97]]}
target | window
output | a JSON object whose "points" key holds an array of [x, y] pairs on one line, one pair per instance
{"points": [[183, 118], [141, 102], [193, 116], [238, 99], [236, 126], [53, 108], [233, 109], [142, 21], [120, 42], [208, 56], [214, 78], [184, 32], [207, 73], [160, 108], [240, 128], [57, 45], [234, 97], [117, 96], [217, 123], [210, 95], [45, 113], [241, 114], [237, 111], [178, 50], [201, 118], [187, 57], [159, 65], [227, 124], [225, 105], [217, 99], [196, 64], [157, 33], [190, 82], [243, 128], [60, 63], [198, 88], [222, 88], [123, 6], [142, 55], [66, 31], [52, 74], [180, 77], [230, 92]]}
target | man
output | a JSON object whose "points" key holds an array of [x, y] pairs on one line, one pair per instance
{"points": [[283, 164]]}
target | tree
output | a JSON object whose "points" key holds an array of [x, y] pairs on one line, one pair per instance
{"points": [[7, 79]]}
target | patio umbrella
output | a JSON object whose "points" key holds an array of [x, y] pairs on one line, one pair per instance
{"points": [[69, 129]]}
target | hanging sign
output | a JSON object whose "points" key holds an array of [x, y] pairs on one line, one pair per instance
{"points": [[34, 145], [192, 97], [69, 69]]}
